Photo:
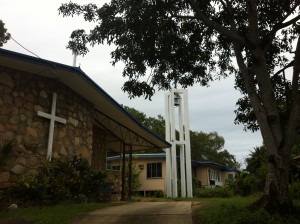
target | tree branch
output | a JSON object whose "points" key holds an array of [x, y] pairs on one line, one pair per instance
{"points": [[284, 68], [253, 31], [290, 22], [278, 26], [294, 121], [214, 25]]}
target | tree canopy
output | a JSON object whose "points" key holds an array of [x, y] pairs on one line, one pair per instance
{"points": [[166, 43], [204, 146], [4, 35]]}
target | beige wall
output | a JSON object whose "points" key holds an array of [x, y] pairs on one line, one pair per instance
{"points": [[151, 184], [225, 175], [147, 184], [202, 175]]}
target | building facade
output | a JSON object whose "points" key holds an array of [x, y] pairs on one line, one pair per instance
{"points": [[54, 111], [152, 169]]}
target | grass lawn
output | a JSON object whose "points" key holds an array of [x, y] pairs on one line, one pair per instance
{"points": [[233, 211], [61, 214]]}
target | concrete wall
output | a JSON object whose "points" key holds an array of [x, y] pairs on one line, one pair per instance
{"points": [[151, 184], [21, 96], [147, 184], [202, 175]]}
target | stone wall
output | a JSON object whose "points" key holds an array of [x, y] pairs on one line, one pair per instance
{"points": [[21, 96], [98, 162]]}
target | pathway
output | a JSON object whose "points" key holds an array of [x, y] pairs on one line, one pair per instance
{"points": [[141, 213]]}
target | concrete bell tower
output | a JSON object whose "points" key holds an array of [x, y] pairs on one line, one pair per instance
{"points": [[177, 119]]}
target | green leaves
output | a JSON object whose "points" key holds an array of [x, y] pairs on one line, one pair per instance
{"points": [[4, 35]]}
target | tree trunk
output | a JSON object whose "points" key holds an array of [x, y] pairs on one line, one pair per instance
{"points": [[277, 137], [276, 195], [276, 198]]}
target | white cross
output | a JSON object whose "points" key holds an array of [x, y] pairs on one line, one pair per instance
{"points": [[52, 118]]}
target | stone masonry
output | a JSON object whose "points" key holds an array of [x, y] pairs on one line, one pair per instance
{"points": [[21, 96]]}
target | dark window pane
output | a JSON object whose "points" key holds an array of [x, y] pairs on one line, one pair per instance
{"points": [[149, 170], [159, 170]]}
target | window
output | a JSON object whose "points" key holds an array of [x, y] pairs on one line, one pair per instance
{"points": [[109, 166], [154, 170], [214, 175], [230, 176], [115, 167]]}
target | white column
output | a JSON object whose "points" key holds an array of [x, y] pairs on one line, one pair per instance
{"points": [[52, 118], [173, 141], [74, 59], [168, 150], [183, 142], [188, 147], [182, 148], [182, 171]]}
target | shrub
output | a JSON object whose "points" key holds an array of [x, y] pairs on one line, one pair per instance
{"points": [[31, 187], [59, 181], [220, 192], [294, 189], [244, 184], [135, 182]]}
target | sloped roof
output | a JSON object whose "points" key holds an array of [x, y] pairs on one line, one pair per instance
{"points": [[163, 156], [109, 114]]}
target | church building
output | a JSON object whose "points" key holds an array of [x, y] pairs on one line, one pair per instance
{"points": [[55, 111]]}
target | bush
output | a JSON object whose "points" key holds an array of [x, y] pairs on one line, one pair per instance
{"points": [[219, 192], [59, 181], [244, 184], [31, 187], [294, 189]]}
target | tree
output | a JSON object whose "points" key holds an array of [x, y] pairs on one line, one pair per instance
{"points": [[155, 124], [210, 147], [204, 146], [257, 165], [194, 41], [4, 36]]}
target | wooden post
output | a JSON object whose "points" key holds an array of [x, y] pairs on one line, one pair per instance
{"points": [[123, 173], [130, 173]]}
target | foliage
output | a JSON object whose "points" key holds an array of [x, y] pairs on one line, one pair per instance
{"points": [[135, 182], [257, 163], [62, 213], [155, 194], [31, 187], [155, 124], [210, 147], [58, 181], [294, 189], [217, 192], [235, 211], [4, 35], [188, 41], [203, 145], [7, 148], [244, 184]]}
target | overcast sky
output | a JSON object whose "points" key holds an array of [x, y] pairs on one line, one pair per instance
{"points": [[36, 25]]}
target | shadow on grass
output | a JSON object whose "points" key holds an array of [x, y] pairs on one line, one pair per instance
{"points": [[235, 211]]}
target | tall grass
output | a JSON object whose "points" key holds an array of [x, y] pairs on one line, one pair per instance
{"points": [[234, 211]]}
